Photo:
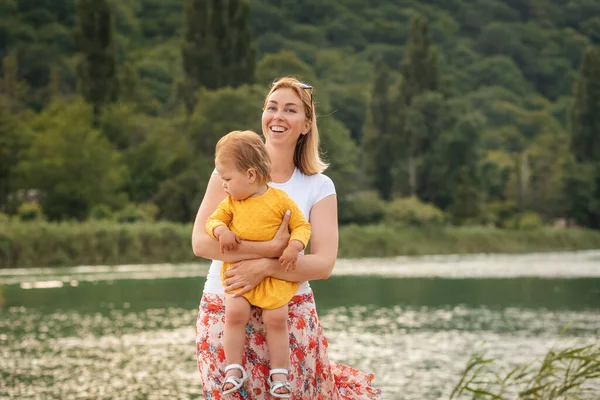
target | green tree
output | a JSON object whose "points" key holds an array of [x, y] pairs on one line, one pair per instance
{"points": [[285, 63], [14, 138], [218, 48], [420, 72], [380, 140], [97, 69], [70, 163], [584, 180], [12, 88], [419, 66], [222, 111], [464, 179]]}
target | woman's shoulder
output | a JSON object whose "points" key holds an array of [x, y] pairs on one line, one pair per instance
{"points": [[316, 179], [318, 185]]}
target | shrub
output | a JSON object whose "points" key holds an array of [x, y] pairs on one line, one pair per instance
{"points": [[410, 211], [30, 212], [362, 208], [101, 211], [145, 212], [525, 220], [4, 218]]}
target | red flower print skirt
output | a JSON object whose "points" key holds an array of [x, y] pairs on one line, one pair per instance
{"points": [[312, 375]]}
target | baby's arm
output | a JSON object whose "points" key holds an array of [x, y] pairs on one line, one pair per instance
{"points": [[217, 227], [228, 241], [290, 255]]}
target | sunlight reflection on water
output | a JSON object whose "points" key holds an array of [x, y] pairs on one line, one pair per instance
{"points": [[416, 352]]}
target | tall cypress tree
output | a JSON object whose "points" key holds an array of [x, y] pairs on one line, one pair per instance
{"points": [[584, 173], [218, 49], [420, 72], [381, 138], [419, 66], [97, 70]]}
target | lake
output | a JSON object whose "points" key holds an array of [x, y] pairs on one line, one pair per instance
{"points": [[128, 331]]}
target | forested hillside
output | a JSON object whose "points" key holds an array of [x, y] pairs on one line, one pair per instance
{"points": [[488, 110]]}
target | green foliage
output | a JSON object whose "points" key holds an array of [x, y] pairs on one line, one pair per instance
{"points": [[341, 153], [39, 244], [222, 111], [584, 175], [14, 138], [137, 213], [97, 67], [380, 142], [70, 163], [420, 64], [511, 63], [100, 211], [563, 373], [410, 211], [285, 63], [527, 220], [217, 50], [99, 242], [362, 208], [498, 71], [30, 212], [388, 241]]}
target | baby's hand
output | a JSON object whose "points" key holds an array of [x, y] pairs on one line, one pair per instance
{"points": [[288, 259], [228, 241]]}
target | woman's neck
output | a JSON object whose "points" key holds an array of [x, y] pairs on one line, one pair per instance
{"points": [[282, 164]]}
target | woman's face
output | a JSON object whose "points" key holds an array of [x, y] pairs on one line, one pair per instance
{"points": [[284, 120]]}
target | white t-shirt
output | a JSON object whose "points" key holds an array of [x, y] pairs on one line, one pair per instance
{"points": [[306, 191]]}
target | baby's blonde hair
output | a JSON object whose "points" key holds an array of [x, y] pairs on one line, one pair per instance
{"points": [[246, 150]]}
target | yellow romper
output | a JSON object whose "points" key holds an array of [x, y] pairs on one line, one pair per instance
{"points": [[257, 219]]}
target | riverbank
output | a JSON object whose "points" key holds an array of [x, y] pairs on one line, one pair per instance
{"points": [[103, 243]]}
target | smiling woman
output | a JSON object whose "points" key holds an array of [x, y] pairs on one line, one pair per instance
{"points": [[289, 126]]}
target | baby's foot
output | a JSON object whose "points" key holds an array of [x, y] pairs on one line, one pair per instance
{"points": [[280, 378], [234, 373]]}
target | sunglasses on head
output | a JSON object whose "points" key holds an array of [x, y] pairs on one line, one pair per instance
{"points": [[306, 86]]}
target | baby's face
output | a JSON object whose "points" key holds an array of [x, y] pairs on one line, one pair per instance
{"points": [[236, 183]]}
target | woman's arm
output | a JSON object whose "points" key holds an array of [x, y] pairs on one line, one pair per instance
{"points": [[205, 246], [245, 275]]}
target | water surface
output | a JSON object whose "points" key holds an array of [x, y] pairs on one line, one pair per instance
{"points": [[128, 331]]}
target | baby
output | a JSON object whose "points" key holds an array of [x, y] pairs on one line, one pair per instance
{"points": [[253, 211]]}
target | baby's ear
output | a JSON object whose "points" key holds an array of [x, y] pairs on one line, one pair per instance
{"points": [[252, 175]]}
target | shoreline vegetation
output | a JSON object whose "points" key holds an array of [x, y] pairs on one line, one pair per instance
{"points": [[45, 244]]}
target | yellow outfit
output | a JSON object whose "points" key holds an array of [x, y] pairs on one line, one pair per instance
{"points": [[257, 219]]}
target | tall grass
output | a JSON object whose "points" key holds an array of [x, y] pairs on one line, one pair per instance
{"points": [[38, 244], [386, 241], [93, 243], [570, 373]]}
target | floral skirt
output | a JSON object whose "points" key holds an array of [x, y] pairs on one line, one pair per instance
{"points": [[312, 375]]}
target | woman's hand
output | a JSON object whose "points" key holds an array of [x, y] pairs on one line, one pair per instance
{"points": [[246, 275], [282, 237]]}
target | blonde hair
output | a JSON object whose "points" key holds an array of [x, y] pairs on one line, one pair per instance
{"points": [[247, 151], [307, 157]]}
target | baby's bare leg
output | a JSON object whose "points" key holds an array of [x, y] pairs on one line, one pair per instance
{"points": [[278, 340], [237, 313]]}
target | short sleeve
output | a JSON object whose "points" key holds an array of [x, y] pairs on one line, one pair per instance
{"points": [[326, 188]]}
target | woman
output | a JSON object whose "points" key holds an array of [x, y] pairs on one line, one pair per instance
{"points": [[289, 126]]}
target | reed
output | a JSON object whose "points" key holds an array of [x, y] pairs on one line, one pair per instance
{"points": [[39, 244], [569, 373]]}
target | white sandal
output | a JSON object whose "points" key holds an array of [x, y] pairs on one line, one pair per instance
{"points": [[274, 385], [236, 381]]}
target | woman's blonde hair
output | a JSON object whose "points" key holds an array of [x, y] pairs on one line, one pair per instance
{"points": [[246, 150], [307, 157]]}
